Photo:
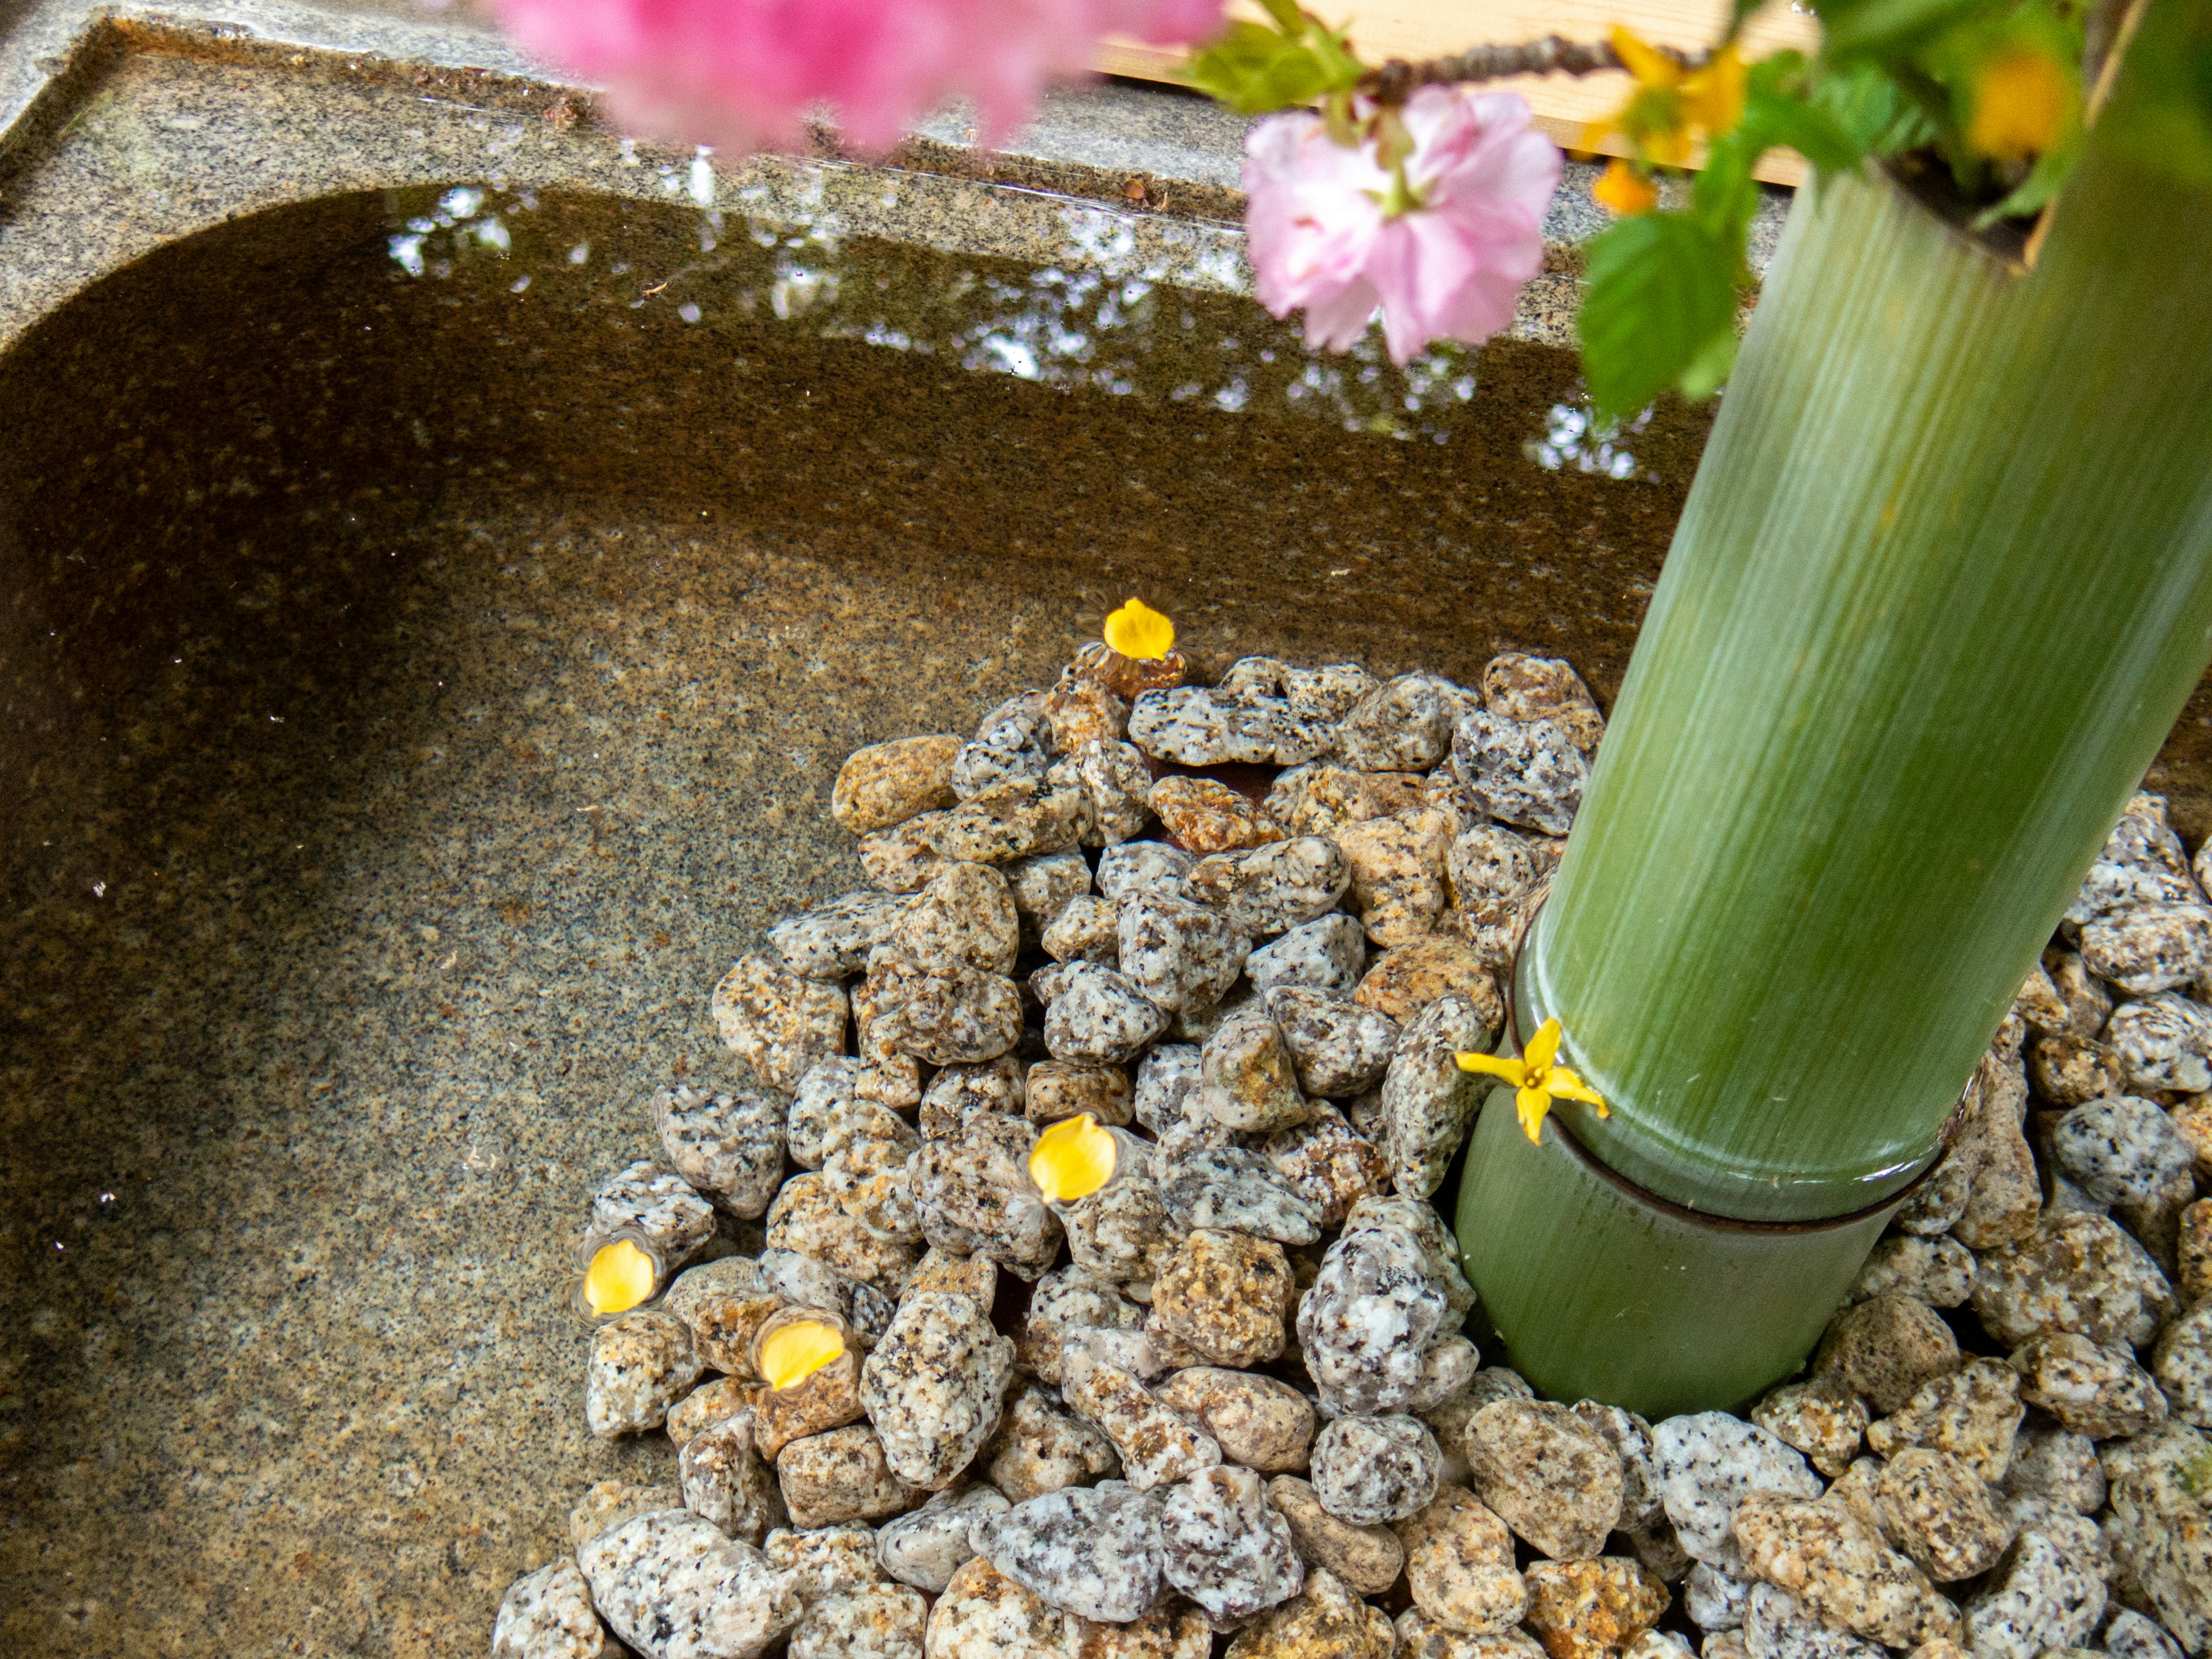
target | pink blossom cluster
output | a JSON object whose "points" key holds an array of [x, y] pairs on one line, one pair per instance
{"points": [[741, 74], [1447, 265]]}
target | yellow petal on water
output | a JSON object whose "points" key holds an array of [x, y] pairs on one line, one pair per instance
{"points": [[1137, 630], [1532, 1104], [1494, 1066], [792, 1353], [1073, 1160], [620, 1277]]}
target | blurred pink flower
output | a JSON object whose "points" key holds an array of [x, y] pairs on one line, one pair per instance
{"points": [[739, 73], [1449, 268]]}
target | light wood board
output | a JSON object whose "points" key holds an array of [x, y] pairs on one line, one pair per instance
{"points": [[1414, 29]]}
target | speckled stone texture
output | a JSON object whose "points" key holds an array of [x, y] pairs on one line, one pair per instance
{"points": [[673, 1588], [932, 1387], [1094, 1551]]}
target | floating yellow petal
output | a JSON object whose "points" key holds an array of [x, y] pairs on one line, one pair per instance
{"points": [[1073, 1160], [2021, 106], [620, 1277], [792, 1353], [1537, 1078], [1137, 630], [1624, 191]]}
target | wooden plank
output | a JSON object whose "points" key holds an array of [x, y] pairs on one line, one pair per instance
{"points": [[1415, 29]]}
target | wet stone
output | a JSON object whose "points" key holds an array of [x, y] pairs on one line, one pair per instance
{"points": [[1225, 1296], [1938, 1271], [2124, 1150], [1040, 1448], [1014, 819], [964, 918], [975, 1196], [875, 1621], [1087, 929], [1428, 1101], [1269, 890], [1238, 1191], [711, 1403], [661, 1208], [951, 1015], [1179, 955], [2097, 1391], [1251, 1085], [2162, 1043], [1257, 1421], [832, 941], [1058, 1088], [1205, 817], [1326, 1621], [1226, 1548], [925, 1547], [1709, 1462], [641, 1364], [547, 1614], [2182, 1366], [1458, 1564], [901, 858], [1069, 1299], [1041, 883], [1936, 1507], [2149, 949], [1973, 1412], [806, 1218], [1123, 1231], [725, 1480], [1397, 868], [777, 1023], [1630, 1436], [728, 1146], [1327, 955], [1091, 1551], [1821, 1418], [1144, 866], [1549, 1475], [2048, 1592], [2075, 1272], [1402, 726], [1117, 791], [1407, 978], [932, 1387], [1339, 1048], [1884, 1348], [1525, 772], [888, 783], [1099, 1018], [842, 1475], [1328, 1165], [1519, 687], [1592, 1609], [673, 1587]]}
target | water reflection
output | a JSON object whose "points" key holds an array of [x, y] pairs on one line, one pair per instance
{"points": [[1105, 317]]}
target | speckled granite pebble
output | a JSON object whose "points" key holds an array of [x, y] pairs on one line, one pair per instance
{"points": [[1144, 866], [839, 1476], [1099, 1016], [965, 917], [1117, 791], [659, 1207], [925, 1547], [2151, 949], [2057, 1467], [2076, 1273], [2131, 1635], [673, 1588], [900, 858], [875, 1621], [1328, 955], [1176, 954], [1776, 1627], [1015, 819], [1592, 1609], [1884, 1348], [832, 940], [1339, 1048], [976, 1195], [1428, 1101], [1378, 1308], [932, 1387], [1715, 1599], [2183, 1365], [826, 1399], [1630, 1436], [1041, 884], [1525, 773], [2124, 1150], [1234, 1190], [606, 1505], [1419, 1636], [724, 1480], [825, 1560], [1403, 726], [1520, 687], [1123, 1231], [1225, 1296], [958, 1093], [777, 1023], [2048, 1592], [1061, 1088], [1250, 1084], [1226, 1548], [1040, 1447], [1158, 1445], [1328, 1163], [728, 1146], [1822, 1418], [1068, 1299], [888, 783], [1367, 1559], [1938, 1270], [1550, 1476], [1326, 1621], [1407, 978], [1205, 817], [641, 1364], [807, 1218], [1458, 1564], [2159, 1529], [707, 1405], [547, 1614], [1936, 1507], [2162, 1043], [1257, 1420], [1373, 1470], [1974, 1411], [1091, 1551], [2097, 1391], [1398, 887], [1709, 1462], [1085, 929], [1269, 890]]}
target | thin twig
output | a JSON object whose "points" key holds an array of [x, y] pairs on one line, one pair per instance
{"points": [[1394, 82]]}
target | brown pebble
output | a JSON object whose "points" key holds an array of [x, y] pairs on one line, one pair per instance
{"points": [[888, 783]]}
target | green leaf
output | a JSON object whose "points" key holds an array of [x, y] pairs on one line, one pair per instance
{"points": [[1709, 370], [1255, 69], [1660, 287], [1772, 118], [1881, 27]]}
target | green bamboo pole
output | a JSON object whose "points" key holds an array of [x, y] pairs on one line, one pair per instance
{"points": [[1940, 590]]}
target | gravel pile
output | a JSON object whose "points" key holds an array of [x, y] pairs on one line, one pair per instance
{"points": [[1068, 1284]]}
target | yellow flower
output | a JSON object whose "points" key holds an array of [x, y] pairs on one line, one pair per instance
{"points": [[792, 1353], [2022, 104], [1139, 631], [1624, 190], [1672, 105], [620, 1277], [1073, 1159], [1537, 1079]]}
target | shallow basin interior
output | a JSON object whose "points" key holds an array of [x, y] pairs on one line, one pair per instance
{"points": [[419, 683]]}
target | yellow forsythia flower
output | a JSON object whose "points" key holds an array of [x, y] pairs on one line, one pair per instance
{"points": [[1537, 1078], [1624, 190], [1672, 105], [1137, 630], [2022, 104]]}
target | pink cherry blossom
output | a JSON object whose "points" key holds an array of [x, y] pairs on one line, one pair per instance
{"points": [[740, 73], [1449, 268]]}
